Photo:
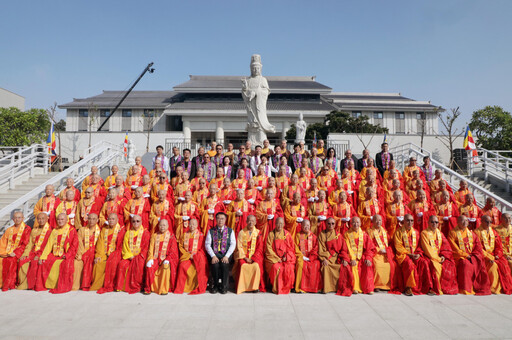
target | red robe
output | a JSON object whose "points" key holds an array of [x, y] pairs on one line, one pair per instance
{"points": [[170, 255], [280, 274], [130, 272], [10, 264], [34, 269], [112, 262], [237, 223], [257, 257], [307, 246], [198, 261]]}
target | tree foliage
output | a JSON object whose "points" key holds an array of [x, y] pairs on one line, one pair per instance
{"points": [[338, 122], [493, 127], [23, 127]]}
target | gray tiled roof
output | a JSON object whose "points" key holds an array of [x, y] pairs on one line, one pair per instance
{"points": [[239, 105], [403, 106], [136, 99]]}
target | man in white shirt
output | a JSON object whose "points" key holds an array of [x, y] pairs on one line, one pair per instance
{"points": [[164, 161], [256, 159]]}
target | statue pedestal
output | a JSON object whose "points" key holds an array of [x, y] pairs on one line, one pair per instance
{"points": [[255, 134]]}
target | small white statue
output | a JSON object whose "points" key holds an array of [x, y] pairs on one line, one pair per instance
{"points": [[131, 152], [300, 128]]}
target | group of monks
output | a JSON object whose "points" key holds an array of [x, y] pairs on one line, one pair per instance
{"points": [[280, 221]]}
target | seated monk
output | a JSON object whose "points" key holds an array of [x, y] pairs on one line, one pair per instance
{"points": [[193, 267], [357, 255], [107, 255], [139, 205], [201, 193], [161, 183], [156, 172], [261, 179], [137, 168], [435, 183], [350, 186], [282, 179], [416, 182], [280, 259], [421, 209], [237, 212], [319, 212], [208, 208], [47, 204], [500, 278], [272, 186], [219, 178], [146, 186], [471, 211], [389, 173], [304, 180], [408, 170], [504, 229], [248, 267], [161, 209], [369, 208], [134, 179], [29, 268], [135, 246], [490, 210], [12, 246], [68, 206], [99, 191], [86, 206], [239, 182], [226, 194], [472, 275], [329, 247], [123, 193], [70, 186], [162, 261], [370, 182], [334, 194], [252, 195], [439, 254], [176, 180], [412, 262], [194, 183], [294, 215], [447, 212], [412, 189], [182, 187], [384, 265], [110, 182], [88, 180], [395, 185], [304, 164], [325, 181], [395, 212], [266, 214], [343, 212], [307, 267], [290, 190], [184, 212], [371, 169], [58, 258], [112, 205], [460, 195], [84, 258], [437, 197]]}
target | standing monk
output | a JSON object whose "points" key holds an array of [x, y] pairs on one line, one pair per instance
{"points": [[307, 267], [135, 248], [162, 261], [84, 258], [12, 247], [58, 258], [280, 259], [47, 204], [329, 248]]}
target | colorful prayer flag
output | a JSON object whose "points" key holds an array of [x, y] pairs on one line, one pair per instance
{"points": [[50, 141], [385, 138], [126, 144], [469, 144]]}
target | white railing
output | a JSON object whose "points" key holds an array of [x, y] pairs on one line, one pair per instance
{"points": [[494, 165], [103, 154], [24, 161], [402, 153]]}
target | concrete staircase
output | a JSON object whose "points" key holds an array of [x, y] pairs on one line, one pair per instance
{"points": [[26, 186], [496, 189]]}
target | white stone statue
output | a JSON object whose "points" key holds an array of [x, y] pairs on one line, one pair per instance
{"points": [[300, 128], [131, 151], [255, 92]]}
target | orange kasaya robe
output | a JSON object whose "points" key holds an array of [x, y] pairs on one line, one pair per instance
{"points": [[395, 212], [207, 212], [99, 193], [280, 247], [59, 253], [84, 208], [29, 268], [421, 211], [289, 191], [384, 264], [367, 209], [13, 241], [200, 195], [505, 233], [307, 271], [343, 213], [471, 211], [190, 209], [139, 207], [129, 277], [114, 206], [160, 277], [161, 211], [264, 209], [193, 267], [249, 276], [448, 211], [84, 259], [291, 213], [48, 206], [68, 208], [159, 186], [108, 249], [62, 194], [237, 223], [316, 210]]}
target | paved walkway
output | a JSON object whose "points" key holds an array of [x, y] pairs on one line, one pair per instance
{"points": [[86, 315]]}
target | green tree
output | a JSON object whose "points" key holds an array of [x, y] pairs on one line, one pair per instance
{"points": [[23, 127], [493, 127]]}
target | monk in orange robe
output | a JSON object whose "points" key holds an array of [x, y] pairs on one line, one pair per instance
{"points": [[194, 183], [447, 212], [88, 180], [239, 182], [384, 265], [329, 248], [421, 209], [47, 204], [369, 208], [129, 277], [304, 180], [208, 208], [134, 179], [407, 174], [413, 264], [86, 206], [343, 212], [237, 211], [325, 181], [201, 193], [294, 215], [70, 186], [395, 212], [472, 275], [471, 211], [490, 210], [500, 278], [184, 212], [193, 267], [110, 181], [138, 168], [161, 209], [266, 214], [112, 205], [248, 268], [68, 206], [99, 191], [280, 259], [162, 261], [139, 205], [318, 212], [252, 195], [290, 190], [28, 265], [226, 194], [334, 194], [282, 179], [439, 253], [84, 259], [307, 267], [12, 246], [219, 178], [123, 193], [146, 186], [181, 188], [504, 229], [58, 258]]}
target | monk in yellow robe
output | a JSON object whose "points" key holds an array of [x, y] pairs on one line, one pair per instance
{"points": [[68, 206], [84, 258], [208, 208], [504, 229], [88, 180], [110, 182], [162, 261], [12, 246], [200, 193], [161, 209], [384, 259], [294, 215], [329, 248], [113, 205], [238, 211], [86, 206], [184, 212]]}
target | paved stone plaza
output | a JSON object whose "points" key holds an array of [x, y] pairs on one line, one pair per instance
{"points": [[83, 315]]}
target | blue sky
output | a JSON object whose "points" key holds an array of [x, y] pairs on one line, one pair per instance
{"points": [[454, 53]]}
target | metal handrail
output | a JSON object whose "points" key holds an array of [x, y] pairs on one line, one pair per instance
{"points": [[495, 165], [402, 153], [103, 155], [22, 162]]}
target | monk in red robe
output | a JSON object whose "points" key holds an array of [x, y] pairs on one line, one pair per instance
{"points": [[47, 204], [99, 191], [330, 243], [193, 267], [88, 180], [12, 246], [107, 255], [318, 212], [58, 258], [266, 214], [184, 213], [161, 209], [384, 265], [110, 181], [447, 212], [504, 229], [237, 212], [307, 267], [490, 210], [280, 259], [421, 209], [68, 206], [343, 212], [208, 208], [294, 214], [135, 249], [112, 205], [139, 205], [84, 258], [29, 267], [70, 186], [86, 206], [162, 261], [472, 275]]}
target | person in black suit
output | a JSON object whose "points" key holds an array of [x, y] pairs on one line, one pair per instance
{"points": [[344, 161], [363, 161], [383, 158]]}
